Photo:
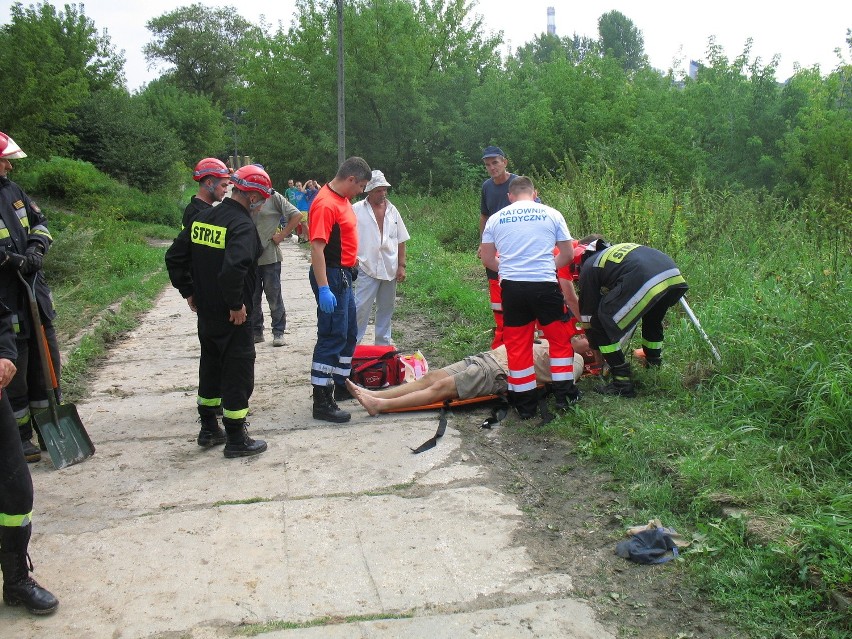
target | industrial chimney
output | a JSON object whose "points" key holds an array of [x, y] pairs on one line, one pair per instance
{"points": [[551, 21]]}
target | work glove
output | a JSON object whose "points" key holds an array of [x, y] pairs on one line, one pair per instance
{"points": [[34, 259], [15, 260], [327, 300]]}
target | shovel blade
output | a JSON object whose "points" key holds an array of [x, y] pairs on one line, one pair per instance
{"points": [[64, 435]]}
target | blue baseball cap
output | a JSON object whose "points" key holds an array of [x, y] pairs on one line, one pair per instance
{"points": [[493, 152]]}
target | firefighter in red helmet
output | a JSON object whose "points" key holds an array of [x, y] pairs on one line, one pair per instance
{"points": [[213, 177], [16, 486], [213, 263]]}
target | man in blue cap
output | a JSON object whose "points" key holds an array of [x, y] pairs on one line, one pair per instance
{"points": [[495, 196]]}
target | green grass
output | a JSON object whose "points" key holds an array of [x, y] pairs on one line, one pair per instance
{"points": [[104, 266]]}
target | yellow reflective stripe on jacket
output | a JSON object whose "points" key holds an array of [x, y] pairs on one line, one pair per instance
{"points": [[4, 233], [15, 521], [208, 235], [658, 284], [41, 230], [616, 254]]}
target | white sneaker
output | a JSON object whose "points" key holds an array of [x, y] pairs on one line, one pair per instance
{"points": [[278, 340]]}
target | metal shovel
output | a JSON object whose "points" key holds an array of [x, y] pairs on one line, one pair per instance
{"points": [[60, 426]]}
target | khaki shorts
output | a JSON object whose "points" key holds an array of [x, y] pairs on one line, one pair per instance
{"points": [[477, 375]]}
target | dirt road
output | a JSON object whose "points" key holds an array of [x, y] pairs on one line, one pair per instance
{"points": [[337, 525]]}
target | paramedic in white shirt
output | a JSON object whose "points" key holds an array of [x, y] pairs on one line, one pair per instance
{"points": [[381, 257], [524, 235]]}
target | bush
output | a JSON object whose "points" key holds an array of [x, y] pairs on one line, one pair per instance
{"points": [[82, 187]]}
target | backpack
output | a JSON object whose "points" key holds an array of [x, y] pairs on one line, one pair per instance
{"points": [[377, 366]]}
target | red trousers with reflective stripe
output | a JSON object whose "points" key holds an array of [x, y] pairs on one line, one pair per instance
{"points": [[496, 297], [524, 304]]}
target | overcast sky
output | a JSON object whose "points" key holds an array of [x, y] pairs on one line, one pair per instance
{"points": [[803, 32]]}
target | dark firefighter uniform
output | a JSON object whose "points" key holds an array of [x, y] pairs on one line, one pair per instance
{"points": [[620, 285], [195, 206], [23, 230], [16, 500], [214, 260]]}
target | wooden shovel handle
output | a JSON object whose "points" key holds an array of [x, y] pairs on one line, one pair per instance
{"points": [[49, 359]]}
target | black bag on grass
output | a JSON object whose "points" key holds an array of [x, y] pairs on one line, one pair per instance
{"points": [[648, 547]]}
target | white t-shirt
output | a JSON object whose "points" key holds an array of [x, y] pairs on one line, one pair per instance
{"points": [[525, 234], [378, 257]]}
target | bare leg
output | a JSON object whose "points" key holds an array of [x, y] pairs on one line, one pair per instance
{"points": [[442, 387], [404, 389]]}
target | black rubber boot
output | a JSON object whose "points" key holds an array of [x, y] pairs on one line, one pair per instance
{"points": [[19, 589], [31, 452], [325, 408], [211, 434], [621, 384], [341, 393], [566, 394], [239, 444], [653, 357], [526, 403]]}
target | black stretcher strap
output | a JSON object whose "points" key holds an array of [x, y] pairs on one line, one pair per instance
{"points": [[442, 428]]}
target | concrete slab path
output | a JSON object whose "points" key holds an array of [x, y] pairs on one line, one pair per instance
{"points": [[335, 525]]}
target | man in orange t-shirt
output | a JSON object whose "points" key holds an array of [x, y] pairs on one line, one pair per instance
{"points": [[333, 230]]}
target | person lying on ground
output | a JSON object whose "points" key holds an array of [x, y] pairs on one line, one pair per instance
{"points": [[474, 376]]}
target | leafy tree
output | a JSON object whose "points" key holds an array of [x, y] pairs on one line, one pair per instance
{"points": [[817, 151], [546, 48], [203, 45], [120, 137], [51, 60], [737, 116], [197, 123], [409, 70], [620, 38]]}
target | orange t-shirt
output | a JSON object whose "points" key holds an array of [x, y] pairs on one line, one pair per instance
{"points": [[332, 220]]}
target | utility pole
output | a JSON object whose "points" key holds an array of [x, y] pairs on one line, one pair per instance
{"points": [[341, 106]]}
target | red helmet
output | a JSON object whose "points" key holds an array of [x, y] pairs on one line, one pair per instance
{"points": [[210, 167], [252, 178], [8, 149]]}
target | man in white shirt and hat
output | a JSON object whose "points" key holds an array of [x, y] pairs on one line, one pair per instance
{"points": [[381, 257]]}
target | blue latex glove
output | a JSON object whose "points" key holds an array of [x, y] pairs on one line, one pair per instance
{"points": [[327, 300]]}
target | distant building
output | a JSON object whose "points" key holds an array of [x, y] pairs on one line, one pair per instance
{"points": [[551, 21], [693, 68]]}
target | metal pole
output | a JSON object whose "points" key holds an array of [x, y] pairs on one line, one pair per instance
{"points": [[697, 325], [341, 107], [235, 142]]}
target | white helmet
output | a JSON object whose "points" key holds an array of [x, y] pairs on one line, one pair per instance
{"points": [[8, 149]]}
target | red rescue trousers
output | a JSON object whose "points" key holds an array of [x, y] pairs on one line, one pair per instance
{"points": [[496, 297], [526, 303]]}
